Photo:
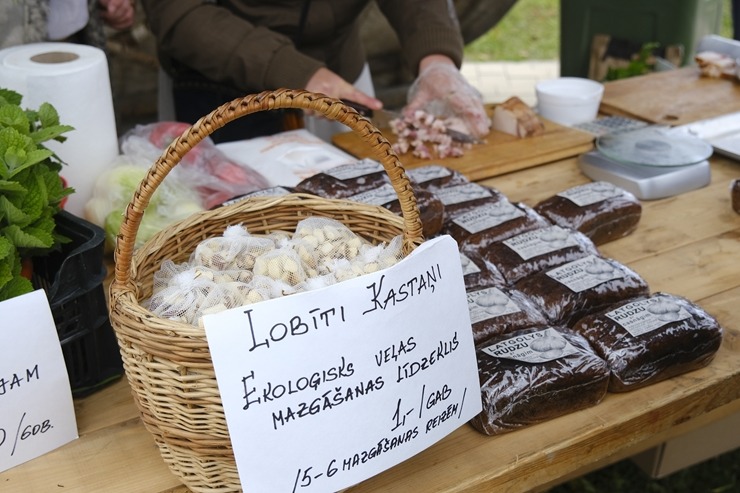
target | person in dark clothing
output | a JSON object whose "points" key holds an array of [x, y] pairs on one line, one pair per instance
{"points": [[216, 51]]}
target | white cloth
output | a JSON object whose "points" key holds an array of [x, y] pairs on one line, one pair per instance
{"points": [[66, 17]]}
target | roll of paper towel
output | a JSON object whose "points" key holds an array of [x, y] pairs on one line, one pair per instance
{"points": [[74, 79]]}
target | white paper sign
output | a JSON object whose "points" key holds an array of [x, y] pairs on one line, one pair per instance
{"points": [[324, 389], [36, 410]]}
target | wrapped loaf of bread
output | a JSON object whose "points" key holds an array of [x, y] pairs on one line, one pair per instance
{"points": [[515, 117], [600, 210], [651, 338], [496, 311], [534, 375], [532, 251], [479, 273], [434, 175], [568, 293], [345, 180], [431, 209], [367, 182], [461, 198], [485, 224]]}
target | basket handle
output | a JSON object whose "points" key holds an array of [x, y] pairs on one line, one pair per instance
{"points": [[331, 108]]}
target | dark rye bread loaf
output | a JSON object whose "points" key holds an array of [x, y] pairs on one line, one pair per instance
{"points": [[345, 180], [495, 311], [571, 291], [459, 198], [367, 182], [600, 210], [479, 273], [434, 176], [532, 251], [651, 338], [485, 224], [431, 210], [534, 375]]}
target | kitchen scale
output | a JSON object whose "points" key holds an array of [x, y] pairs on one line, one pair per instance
{"points": [[649, 162]]}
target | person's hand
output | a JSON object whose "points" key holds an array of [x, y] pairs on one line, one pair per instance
{"points": [[326, 82], [440, 89], [118, 14]]}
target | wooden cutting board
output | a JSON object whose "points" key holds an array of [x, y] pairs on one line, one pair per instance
{"points": [[501, 153], [674, 97]]}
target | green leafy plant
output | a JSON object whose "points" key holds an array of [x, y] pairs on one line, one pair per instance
{"points": [[641, 63], [31, 190]]}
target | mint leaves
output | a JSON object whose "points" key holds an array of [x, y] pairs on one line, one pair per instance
{"points": [[31, 190]]}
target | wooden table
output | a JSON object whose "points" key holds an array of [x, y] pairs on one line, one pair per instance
{"points": [[687, 245]]}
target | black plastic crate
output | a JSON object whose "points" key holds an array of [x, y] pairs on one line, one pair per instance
{"points": [[73, 280]]}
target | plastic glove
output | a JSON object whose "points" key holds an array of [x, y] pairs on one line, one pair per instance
{"points": [[440, 89]]}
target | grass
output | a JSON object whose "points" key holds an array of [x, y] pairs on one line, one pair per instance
{"points": [[531, 31]]}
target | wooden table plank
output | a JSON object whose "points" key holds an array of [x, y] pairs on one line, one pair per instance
{"points": [[687, 245]]}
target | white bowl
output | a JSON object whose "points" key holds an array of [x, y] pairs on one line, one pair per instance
{"points": [[569, 100]]}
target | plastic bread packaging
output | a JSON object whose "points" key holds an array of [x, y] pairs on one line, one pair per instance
{"points": [[571, 291], [462, 197], [535, 375], [495, 311], [600, 210], [486, 224], [341, 182], [478, 272], [433, 176], [431, 209], [365, 181], [532, 251], [651, 338]]}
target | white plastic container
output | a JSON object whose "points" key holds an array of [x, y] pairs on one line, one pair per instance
{"points": [[569, 100]]}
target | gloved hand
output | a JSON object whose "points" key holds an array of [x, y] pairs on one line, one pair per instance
{"points": [[440, 89]]}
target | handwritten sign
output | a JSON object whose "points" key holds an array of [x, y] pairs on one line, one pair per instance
{"points": [[36, 409], [324, 389]]}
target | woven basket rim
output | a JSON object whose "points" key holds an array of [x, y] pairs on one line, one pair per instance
{"points": [[331, 108]]}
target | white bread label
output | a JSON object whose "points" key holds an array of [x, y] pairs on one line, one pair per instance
{"points": [[541, 241], [384, 194], [535, 347], [591, 193], [351, 171], [585, 273], [490, 303], [643, 316], [488, 216], [468, 266], [462, 193], [428, 173]]}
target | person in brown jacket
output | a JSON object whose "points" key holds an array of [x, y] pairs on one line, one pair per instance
{"points": [[218, 50]]}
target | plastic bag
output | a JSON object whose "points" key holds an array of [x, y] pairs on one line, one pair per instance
{"points": [[114, 188], [534, 375], [216, 178], [648, 339]]}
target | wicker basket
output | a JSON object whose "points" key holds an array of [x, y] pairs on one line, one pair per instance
{"points": [[168, 364]]}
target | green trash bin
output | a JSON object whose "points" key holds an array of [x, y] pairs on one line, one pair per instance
{"points": [[668, 22]]}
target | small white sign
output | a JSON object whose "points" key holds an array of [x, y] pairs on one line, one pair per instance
{"points": [[36, 409], [324, 389]]}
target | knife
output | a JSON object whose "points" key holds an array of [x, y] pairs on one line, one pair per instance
{"points": [[382, 118]]}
